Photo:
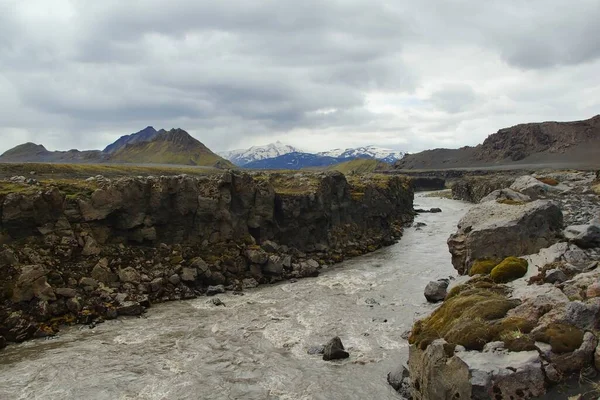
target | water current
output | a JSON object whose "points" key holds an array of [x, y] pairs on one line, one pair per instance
{"points": [[256, 346]]}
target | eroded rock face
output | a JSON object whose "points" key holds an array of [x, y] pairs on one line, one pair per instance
{"points": [[444, 372], [475, 189], [493, 230]]}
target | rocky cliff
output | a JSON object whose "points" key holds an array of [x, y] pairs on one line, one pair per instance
{"points": [[571, 143], [86, 250]]}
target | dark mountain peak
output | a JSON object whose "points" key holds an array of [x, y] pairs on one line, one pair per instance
{"points": [[145, 135], [179, 137]]}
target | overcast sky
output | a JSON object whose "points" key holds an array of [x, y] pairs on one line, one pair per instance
{"points": [[404, 74]]}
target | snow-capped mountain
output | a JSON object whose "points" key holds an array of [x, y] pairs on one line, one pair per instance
{"points": [[379, 153], [256, 153]]}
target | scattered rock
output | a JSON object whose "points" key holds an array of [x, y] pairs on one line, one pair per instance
{"points": [[66, 292], [249, 283], [215, 301], [270, 246], [506, 194], [130, 308], [399, 379], [189, 274], [2, 342], [555, 276], [436, 291], [257, 256], [32, 283], [174, 279], [320, 349], [213, 290], [129, 275], [334, 350]]}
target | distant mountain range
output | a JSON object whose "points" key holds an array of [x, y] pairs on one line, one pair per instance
{"points": [[147, 146], [554, 144], [281, 156]]}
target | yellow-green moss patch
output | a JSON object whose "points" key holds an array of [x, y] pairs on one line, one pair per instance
{"points": [[509, 269], [563, 338], [482, 267]]}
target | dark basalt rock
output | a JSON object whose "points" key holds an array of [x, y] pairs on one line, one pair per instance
{"points": [[334, 350]]}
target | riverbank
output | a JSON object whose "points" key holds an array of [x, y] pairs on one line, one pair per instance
{"points": [[256, 346], [83, 251]]}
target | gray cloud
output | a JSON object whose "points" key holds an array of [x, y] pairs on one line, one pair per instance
{"points": [[317, 74]]}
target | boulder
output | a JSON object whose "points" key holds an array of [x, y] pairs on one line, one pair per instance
{"points": [[493, 230], [399, 379], [584, 236], [444, 371], [189, 274], [32, 283], [129, 275], [274, 266], [334, 350], [213, 290], [257, 256], [66, 292], [555, 276], [506, 195], [91, 247], [436, 291], [530, 186], [102, 273], [308, 268], [270, 246], [130, 308]]}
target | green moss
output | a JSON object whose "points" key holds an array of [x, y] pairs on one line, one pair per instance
{"points": [[563, 338], [360, 166], [510, 202], [10, 187], [509, 269], [482, 267], [470, 317]]}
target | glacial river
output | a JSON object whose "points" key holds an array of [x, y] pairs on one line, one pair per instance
{"points": [[255, 347]]}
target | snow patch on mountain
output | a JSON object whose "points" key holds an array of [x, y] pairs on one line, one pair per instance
{"points": [[256, 153], [379, 153]]}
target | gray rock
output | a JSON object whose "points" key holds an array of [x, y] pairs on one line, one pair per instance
{"points": [[31, 283], [2, 342], [157, 284], [257, 256], [435, 210], [91, 247], [334, 350], [66, 292], [213, 290], [174, 279], [555, 276], [506, 194], [530, 186], [189, 274], [249, 283], [274, 266], [89, 283], [215, 301], [436, 291], [74, 305], [583, 315], [584, 236], [130, 308], [102, 273], [270, 246], [399, 379], [129, 275], [494, 230]]}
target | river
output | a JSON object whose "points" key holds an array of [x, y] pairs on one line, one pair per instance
{"points": [[255, 346]]}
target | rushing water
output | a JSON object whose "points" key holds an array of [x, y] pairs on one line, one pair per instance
{"points": [[255, 347]]}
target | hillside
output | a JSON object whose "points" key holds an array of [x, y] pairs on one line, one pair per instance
{"points": [[31, 152], [575, 144], [170, 147], [360, 166]]}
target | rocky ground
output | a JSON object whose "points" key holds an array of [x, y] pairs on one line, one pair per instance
{"points": [[86, 250], [528, 318]]}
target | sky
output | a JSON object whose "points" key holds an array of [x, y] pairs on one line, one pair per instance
{"points": [[318, 74]]}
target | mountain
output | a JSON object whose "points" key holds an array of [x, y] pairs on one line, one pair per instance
{"points": [[169, 147], [295, 160], [147, 146], [575, 144], [31, 152], [378, 153], [145, 135], [256, 153]]}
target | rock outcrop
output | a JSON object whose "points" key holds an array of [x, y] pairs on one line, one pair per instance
{"points": [[473, 189], [82, 250], [493, 230]]}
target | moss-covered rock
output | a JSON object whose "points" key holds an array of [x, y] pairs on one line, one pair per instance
{"points": [[471, 316], [509, 269], [482, 267], [563, 338]]}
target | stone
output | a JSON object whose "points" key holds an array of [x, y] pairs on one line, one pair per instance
{"points": [[130, 308], [32, 282], [189, 274], [174, 279], [436, 291], [493, 230], [270, 246], [399, 379], [584, 236], [574, 361], [249, 283], [2, 342], [91, 247], [309, 268], [87, 282], [593, 290], [334, 350], [597, 357], [555, 276], [257, 256], [213, 290], [129, 275], [66, 292], [530, 186], [215, 301], [74, 305], [157, 284], [274, 266], [435, 210], [102, 273], [583, 315], [506, 194]]}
